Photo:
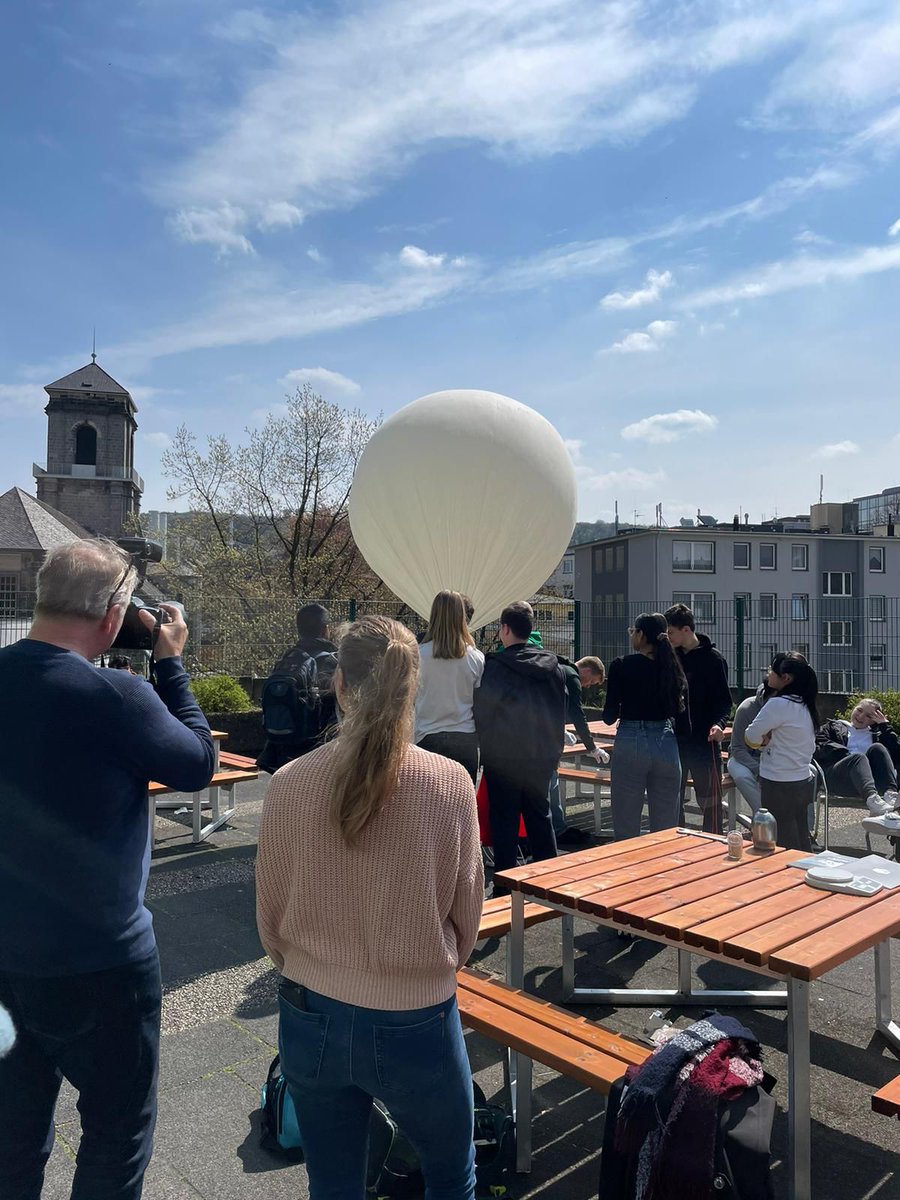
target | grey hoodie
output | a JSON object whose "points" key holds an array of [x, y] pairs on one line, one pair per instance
{"points": [[747, 711]]}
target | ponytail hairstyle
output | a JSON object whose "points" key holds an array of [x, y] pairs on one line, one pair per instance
{"points": [[670, 678], [804, 685], [448, 627], [379, 661]]}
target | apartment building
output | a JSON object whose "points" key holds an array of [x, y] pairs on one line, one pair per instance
{"points": [[791, 585]]}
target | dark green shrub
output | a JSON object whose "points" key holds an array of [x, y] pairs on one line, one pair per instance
{"points": [[889, 701], [220, 694]]}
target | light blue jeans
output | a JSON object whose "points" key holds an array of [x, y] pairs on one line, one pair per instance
{"points": [[336, 1057], [645, 767]]}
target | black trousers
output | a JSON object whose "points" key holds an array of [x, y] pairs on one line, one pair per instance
{"points": [[517, 790], [703, 762], [863, 775], [788, 802], [461, 747]]}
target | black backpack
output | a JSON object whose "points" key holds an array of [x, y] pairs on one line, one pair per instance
{"points": [[292, 704]]}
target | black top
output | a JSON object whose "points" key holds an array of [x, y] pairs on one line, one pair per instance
{"points": [[709, 698], [520, 709], [632, 693]]}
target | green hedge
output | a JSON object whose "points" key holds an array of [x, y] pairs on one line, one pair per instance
{"points": [[220, 694], [889, 701]]}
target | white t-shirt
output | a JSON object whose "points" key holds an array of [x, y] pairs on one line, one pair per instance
{"points": [[446, 687], [858, 740], [789, 753]]}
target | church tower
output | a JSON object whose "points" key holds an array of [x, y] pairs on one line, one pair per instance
{"points": [[90, 473]]}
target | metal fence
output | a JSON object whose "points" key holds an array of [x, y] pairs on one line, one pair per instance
{"points": [[853, 644]]}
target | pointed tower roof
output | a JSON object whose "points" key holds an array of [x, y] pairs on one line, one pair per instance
{"points": [[90, 377], [29, 524]]}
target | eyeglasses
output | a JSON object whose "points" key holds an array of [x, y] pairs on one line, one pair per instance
{"points": [[125, 574]]}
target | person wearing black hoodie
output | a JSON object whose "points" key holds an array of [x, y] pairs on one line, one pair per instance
{"points": [[709, 707], [520, 716]]}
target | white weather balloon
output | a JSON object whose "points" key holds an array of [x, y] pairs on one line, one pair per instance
{"points": [[466, 490]]}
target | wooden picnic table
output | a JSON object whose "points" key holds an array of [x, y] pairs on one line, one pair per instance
{"points": [[680, 889], [226, 777]]}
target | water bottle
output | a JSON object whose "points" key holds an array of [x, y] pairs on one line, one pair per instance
{"points": [[764, 831]]}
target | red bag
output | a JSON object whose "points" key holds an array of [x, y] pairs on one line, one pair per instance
{"points": [[484, 820]]}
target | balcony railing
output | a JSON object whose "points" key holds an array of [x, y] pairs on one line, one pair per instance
{"points": [[87, 471]]}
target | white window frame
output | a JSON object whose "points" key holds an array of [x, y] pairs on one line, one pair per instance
{"points": [[874, 648], [694, 569], [773, 546], [763, 596], [873, 615], [879, 550], [802, 608], [691, 600], [845, 682], [9, 593], [846, 578], [568, 567], [747, 597], [794, 548], [734, 562], [767, 651], [801, 648], [846, 633]]}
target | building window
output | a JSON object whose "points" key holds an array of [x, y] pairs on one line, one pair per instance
{"points": [[86, 446], [839, 681], [877, 653], [744, 597], [702, 604], [748, 657], [767, 606], [801, 648], [608, 558], [620, 557], [9, 587], [767, 556], [693, 556], [767, 652], [741, 553], [799, 558], [876, 608], [837, 583], [838, 633], [876, 560], [568, 566], [799, 607]]}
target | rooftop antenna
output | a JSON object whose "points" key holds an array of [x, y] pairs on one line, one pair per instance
{"points": [[821, 487], [617, 517], [94, 346]]}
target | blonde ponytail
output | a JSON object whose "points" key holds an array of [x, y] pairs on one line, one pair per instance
{"points": [[379, 662]]}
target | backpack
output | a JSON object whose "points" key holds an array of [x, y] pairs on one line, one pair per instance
{"points": [[292, 708], [393, 1172]]}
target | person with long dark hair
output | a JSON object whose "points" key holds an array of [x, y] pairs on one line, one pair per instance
{"points": [[785, 731], [646, 693], [369, 890]]}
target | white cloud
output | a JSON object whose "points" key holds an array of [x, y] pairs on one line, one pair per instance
{"points": [[22, 398], [894, 229], [656, 283], [315, 255], [671, 426], [219, 227], [629, 479], [160, 440], [421, 260], [837, 450], [279, 214], [808, 237], [574, 447], [803, 271], [321, 378], [642, 341]]}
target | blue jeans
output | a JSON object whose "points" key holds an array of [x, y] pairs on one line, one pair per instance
{"points": [[557, 814], [645, 766], [336, 1057], [101, 1032]]}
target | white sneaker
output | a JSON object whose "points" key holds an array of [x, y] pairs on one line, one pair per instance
{"points": [[878, 807], [892, 798]]}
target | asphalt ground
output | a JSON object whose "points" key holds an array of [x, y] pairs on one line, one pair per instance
{"points": [[220, 1033]]}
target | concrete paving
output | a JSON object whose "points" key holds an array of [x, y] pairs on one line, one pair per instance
{"points": [[220, 1033]]}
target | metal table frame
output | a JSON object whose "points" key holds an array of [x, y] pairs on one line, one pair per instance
{"points": [[795, 996]]}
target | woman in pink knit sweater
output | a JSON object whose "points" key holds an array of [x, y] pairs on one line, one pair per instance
{"points": [[369, 893]]}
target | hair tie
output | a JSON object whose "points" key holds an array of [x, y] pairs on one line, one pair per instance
{"points": [[662, 637]]}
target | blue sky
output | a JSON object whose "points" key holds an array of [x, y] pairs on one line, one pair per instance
{"points": [[672, 228]]}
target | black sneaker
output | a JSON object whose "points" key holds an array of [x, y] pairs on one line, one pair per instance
{"points": [[573, 836]]}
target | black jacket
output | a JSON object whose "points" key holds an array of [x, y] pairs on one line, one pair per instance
{"points": [[520, 708], [574, 712], [832, 737], [709, 698]]}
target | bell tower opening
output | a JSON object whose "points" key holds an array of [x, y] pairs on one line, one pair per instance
{"points": [[86, 446]]}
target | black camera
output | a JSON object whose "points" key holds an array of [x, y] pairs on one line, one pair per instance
{"points": [[134, 634]]}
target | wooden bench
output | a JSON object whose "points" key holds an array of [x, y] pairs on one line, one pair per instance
{"points": [[887, 1099], [595, 779], [238, 762], [496, 917], [222, 779], [537, 1030]]}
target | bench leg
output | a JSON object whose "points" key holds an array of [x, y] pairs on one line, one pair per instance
{"points": [[568, 957], [884, 1022], [197, 814], [522, 1114], [798, 1090]]}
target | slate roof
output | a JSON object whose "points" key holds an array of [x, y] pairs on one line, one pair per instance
{"points": [[28, 524], [92, 378]]}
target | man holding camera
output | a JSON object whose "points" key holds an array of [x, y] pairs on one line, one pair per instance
{"points": [[79, 969]]}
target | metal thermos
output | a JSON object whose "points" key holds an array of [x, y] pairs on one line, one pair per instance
{"points": [[764, 831]]}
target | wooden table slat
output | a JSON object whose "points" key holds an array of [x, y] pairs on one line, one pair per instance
{"points": [[599, 854], [635, 866], [714, 934], [814, 955], [633, 884]]}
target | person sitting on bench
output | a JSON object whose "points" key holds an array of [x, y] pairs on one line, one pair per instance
{"points": [[859, 757]]}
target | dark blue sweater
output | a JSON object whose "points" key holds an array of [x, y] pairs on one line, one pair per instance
{"points": [[79, 746]]}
